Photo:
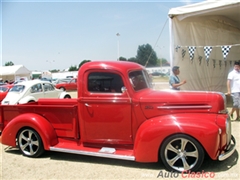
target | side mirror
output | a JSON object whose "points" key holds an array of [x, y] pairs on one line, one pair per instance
{"points": [[123, 89]]}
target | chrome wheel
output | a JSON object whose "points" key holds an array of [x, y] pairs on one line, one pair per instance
{"points": [[30, 143], [181, 153]]}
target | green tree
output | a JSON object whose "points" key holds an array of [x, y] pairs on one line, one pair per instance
{"points": [[73, 68], [54, 70], [10, 63], [122, 59], [132, 59], [83, 62], [146, 56]]}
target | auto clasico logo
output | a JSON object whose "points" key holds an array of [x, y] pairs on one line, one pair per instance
{"points": [[186, 174]]}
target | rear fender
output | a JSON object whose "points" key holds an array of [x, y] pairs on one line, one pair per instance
{"points": [[27, 99], [63, 94], [31, 120], [152, 133]]}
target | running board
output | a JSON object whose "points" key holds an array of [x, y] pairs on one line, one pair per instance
{"points": [[104, 152]]}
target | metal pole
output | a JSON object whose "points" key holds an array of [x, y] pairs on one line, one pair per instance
{"points": [[118, 45]]}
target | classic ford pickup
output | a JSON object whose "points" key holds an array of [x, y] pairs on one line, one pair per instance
{"points": [[118, 114]]}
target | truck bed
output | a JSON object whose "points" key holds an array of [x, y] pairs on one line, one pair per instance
{"points": [[61, 113]]}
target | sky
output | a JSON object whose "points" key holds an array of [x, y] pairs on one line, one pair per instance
{"points": [[46, 35]]}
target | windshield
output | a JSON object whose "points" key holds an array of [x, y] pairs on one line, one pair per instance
{"points": [[3, 89], [17, 88], [140, 80]]}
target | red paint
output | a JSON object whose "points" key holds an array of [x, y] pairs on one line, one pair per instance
{"points": [[68, 86], [135, 123]]}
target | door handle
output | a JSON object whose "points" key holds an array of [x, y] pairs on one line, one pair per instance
{"points": [[86, 104]]}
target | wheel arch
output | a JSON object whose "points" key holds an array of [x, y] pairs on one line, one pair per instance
{"points": [[29, 120], [27, 99], [152, 133], [62, 87], [63, 94]]}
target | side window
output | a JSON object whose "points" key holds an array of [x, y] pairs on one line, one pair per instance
{"points": [[137, 80], [105, 82], [36, 88], [48, 87]]}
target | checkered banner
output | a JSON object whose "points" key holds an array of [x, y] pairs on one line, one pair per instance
{"points": [[225, 51], [207, 52], [176, 48], [183, 53], [191, 50]]}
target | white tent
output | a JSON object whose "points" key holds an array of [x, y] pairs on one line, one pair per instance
{"points": [[12, 73], [205, 42]]}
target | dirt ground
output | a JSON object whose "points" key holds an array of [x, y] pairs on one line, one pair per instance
{"points": [[63, 166]]}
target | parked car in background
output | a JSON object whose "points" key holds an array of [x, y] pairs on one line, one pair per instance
{"points": [[4, 90], [58, 81], [46, 79], [158, 74], [31, 91], [68, 86]]}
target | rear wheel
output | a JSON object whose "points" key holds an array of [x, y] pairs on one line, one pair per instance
{"points": [[62, 88], [30, 143], [67, 97], [181, 153]]}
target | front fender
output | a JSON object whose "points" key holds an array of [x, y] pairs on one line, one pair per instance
{"points": [[152, 133], [35, 121], [27, 99]]}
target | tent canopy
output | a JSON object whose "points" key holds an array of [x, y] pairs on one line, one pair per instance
{"points": [[13, 72], [205, 42], [228, 9]]}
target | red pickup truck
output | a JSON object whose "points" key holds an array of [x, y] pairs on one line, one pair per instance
{"points": [[118, 115]]}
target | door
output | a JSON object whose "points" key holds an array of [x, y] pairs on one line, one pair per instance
{"points": [[37, 91], [106, 110], [50, 91]]}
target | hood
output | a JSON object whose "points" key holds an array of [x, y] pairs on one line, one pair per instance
{"points": [[154, 103]]}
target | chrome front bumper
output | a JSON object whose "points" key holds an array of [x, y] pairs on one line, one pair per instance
{"points": [[230, 150]]}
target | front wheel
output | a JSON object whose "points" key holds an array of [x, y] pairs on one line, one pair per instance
{"points": [[30, 143], [181, 153]]}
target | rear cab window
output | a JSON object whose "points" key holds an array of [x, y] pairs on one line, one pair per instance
{"points": [[105, 82]]}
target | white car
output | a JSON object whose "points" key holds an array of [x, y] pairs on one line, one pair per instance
{"points": [[31, 91]]}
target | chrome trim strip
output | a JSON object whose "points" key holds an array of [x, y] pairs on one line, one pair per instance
{"points": [[97, 154], [105, 100], [186, 107], [229, 152]]}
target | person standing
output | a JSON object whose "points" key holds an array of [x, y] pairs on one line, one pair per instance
{"points": [[233, 87], [174, 80]]}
